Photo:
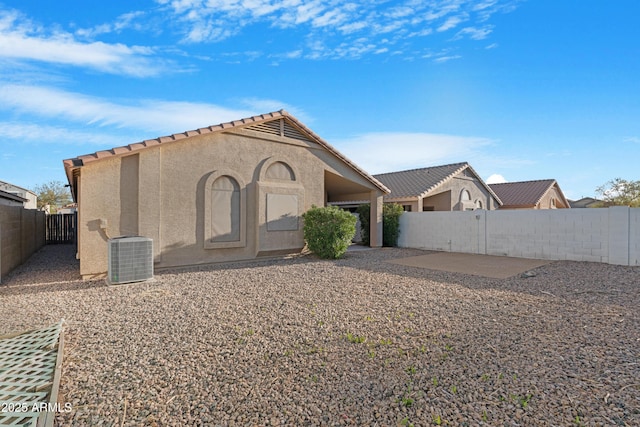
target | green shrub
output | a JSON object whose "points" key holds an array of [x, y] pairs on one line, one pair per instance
{"points": [[328, 231], [364, 212], [391, 213]]}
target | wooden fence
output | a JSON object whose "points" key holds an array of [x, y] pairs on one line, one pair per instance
{"points": [[61, 228]]}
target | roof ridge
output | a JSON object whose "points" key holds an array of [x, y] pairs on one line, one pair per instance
{"points": [[522, 182], [423, 168]]}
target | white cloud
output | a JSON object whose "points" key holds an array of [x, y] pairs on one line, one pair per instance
{"points": [[632, 139], [495, 179], [39, 133], [452, 22], [23, 40], [474, 33], [330, 23], [131, 20], [388, 152], [443, 59], [158, 117]]}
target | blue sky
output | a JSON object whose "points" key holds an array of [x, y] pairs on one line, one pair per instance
{"points": [[521, 89]]}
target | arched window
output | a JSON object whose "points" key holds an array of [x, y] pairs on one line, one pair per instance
{"points": [[225, 210], [280, 171], [465, 196], [478, 204]]}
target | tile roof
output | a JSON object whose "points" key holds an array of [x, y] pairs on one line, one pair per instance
{"points": [[523, 193], [421, 182], [75, 163]]}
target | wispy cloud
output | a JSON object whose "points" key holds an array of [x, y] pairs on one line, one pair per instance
{"points": [[443, 59], [474, 33], [339, 26], [632, 139], [136, 20], [151, 116], [387, 152], [21, 132], [452, 22], [23, 40]]}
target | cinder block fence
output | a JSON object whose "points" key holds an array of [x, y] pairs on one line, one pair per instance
{"points": [[22, 232], [610, 235]]}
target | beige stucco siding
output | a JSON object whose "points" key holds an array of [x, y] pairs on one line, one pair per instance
{"points": [[545, 202], [162, 192]]}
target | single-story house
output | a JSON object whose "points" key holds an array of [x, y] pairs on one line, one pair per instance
{"points": [[453, 187], [587, 202], [30, 199], [539, 194], [227, 192], [10, 199]]}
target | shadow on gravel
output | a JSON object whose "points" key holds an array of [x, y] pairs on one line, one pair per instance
{"points": [[53, 268]]}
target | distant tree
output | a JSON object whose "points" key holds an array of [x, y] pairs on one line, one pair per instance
{"points": [[620, 192], [52, 193]]}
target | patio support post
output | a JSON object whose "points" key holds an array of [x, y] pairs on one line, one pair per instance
{"points": [[375, 220]]}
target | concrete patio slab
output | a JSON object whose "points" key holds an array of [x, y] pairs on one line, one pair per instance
{"points": [[497, 267]]}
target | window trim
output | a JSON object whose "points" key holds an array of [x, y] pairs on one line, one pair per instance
{"points": [[208, 226]]}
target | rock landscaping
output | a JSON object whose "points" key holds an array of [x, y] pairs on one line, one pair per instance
{"points": [[356, 341]]}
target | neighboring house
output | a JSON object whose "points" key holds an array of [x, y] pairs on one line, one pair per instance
{"points": [[587, 202], [454, 187], [10, 199], [539, 194], [31, 199], [67, 209], [227, 192]]}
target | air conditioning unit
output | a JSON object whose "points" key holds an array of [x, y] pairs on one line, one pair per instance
{"points": [[130, 259]]}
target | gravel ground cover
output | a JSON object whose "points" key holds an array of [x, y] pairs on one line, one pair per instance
{"points": [[356, 341]]}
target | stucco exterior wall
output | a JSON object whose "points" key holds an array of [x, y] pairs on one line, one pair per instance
{"points": [[437, 202], [161, 192], [552, 194]]}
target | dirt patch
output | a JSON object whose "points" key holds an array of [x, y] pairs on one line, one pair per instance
{"points": [[497, 267]]}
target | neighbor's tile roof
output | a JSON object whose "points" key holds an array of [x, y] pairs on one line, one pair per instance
{"points": [[417, 182], [523, 193], [421, 182], [75, 163]]}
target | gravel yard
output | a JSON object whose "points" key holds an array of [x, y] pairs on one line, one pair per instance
{"points": [[358, 341]]}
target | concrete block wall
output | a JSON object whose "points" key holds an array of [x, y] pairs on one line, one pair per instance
{"points": [[22, 232], [634, 236], [596, 235]]}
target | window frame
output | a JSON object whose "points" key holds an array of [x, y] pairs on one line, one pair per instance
{"points": [[208, 212]]}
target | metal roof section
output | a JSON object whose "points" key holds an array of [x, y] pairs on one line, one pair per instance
{"points": [[288, 127], [30, 369], [524, 193], [422, 182]]}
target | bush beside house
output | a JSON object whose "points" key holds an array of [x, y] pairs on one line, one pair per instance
{"points": [[328, 231]]}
